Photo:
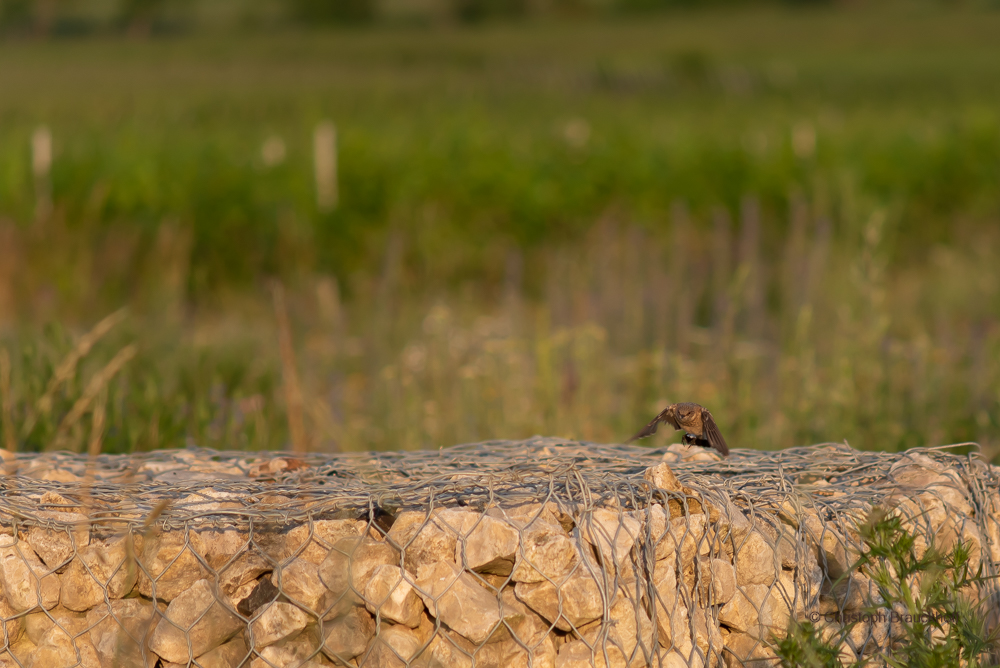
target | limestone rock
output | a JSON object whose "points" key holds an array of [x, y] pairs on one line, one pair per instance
{"points": [[716, 581], [706, 635], [613, 533], [490, 546], [26, 582], [57, 546], [758, 610], [689, 538], [117, 632], [546, 553], [530, 644], [99, 568], [662, 477], [196, 616], [59, 650], [682, 452], [347, 636], [450, 650], [832, 550], [311, 542], [301, 652], [11, 629], [232, 654], [171, 564], [423, 539], [390, 595], [38, 624], [745, 650], [299, 581], [575, 602], [527, 514], [454, 597], [755, 560], [348, 567], [626, 635], [674, 631], [393, 647], [278, 621]]}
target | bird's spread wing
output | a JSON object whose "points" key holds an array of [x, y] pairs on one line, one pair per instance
{"points": [[650, 428], [713, 435]]}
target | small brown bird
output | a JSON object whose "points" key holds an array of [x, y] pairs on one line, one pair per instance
{"points": [[695, 420]]}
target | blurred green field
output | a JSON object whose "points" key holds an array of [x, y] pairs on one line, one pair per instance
{"points": [[791, 217]]}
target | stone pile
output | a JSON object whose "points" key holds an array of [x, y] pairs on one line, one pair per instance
{"points": [[678, 571]]}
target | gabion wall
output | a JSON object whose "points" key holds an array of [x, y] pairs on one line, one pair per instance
{"points": [[539, 553]]}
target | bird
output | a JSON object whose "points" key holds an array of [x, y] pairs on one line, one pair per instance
{"points": [[695, 420]]}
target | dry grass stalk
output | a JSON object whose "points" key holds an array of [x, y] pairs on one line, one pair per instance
{"points": [[325, 164], [97, 383], [289, 373], [97, 424], [6, 403], [66, 368]]}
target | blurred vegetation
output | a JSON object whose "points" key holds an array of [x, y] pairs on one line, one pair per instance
{"points": [[788, 216]]}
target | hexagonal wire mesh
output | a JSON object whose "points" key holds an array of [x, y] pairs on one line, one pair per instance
{"points": [[532, 553]]}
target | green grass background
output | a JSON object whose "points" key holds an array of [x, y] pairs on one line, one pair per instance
{"points": [[544, 227]]}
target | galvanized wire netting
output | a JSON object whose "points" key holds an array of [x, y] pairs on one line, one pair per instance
{"points": [[531, 553]]}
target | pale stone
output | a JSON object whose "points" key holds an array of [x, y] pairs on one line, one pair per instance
{"points": [[38, 624], [98, 569], [576, 654], [20, 653], [530, 645], [526, 625], [196, 616], [673, 659], [706, 635], [422, 539], [58, 650], [232, 654], [717, 581], [831, 549], [311, 542], [390, 596], [745, 650], [57, 546], [656, 523], [689, 535], [301, 652], [171, 564], [347, 636], [279, 621], [612, 533], [118, 632], [393, 647], [575, 602], [662, 477], [757, 610], [27, 583], [489, 547], [626, 631], [11, 627], [755, 560], [527, 514], [349, 566], [546, 553], [325, 534], [299, 581], [450, 650], [673, 628], [454, 597]]}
